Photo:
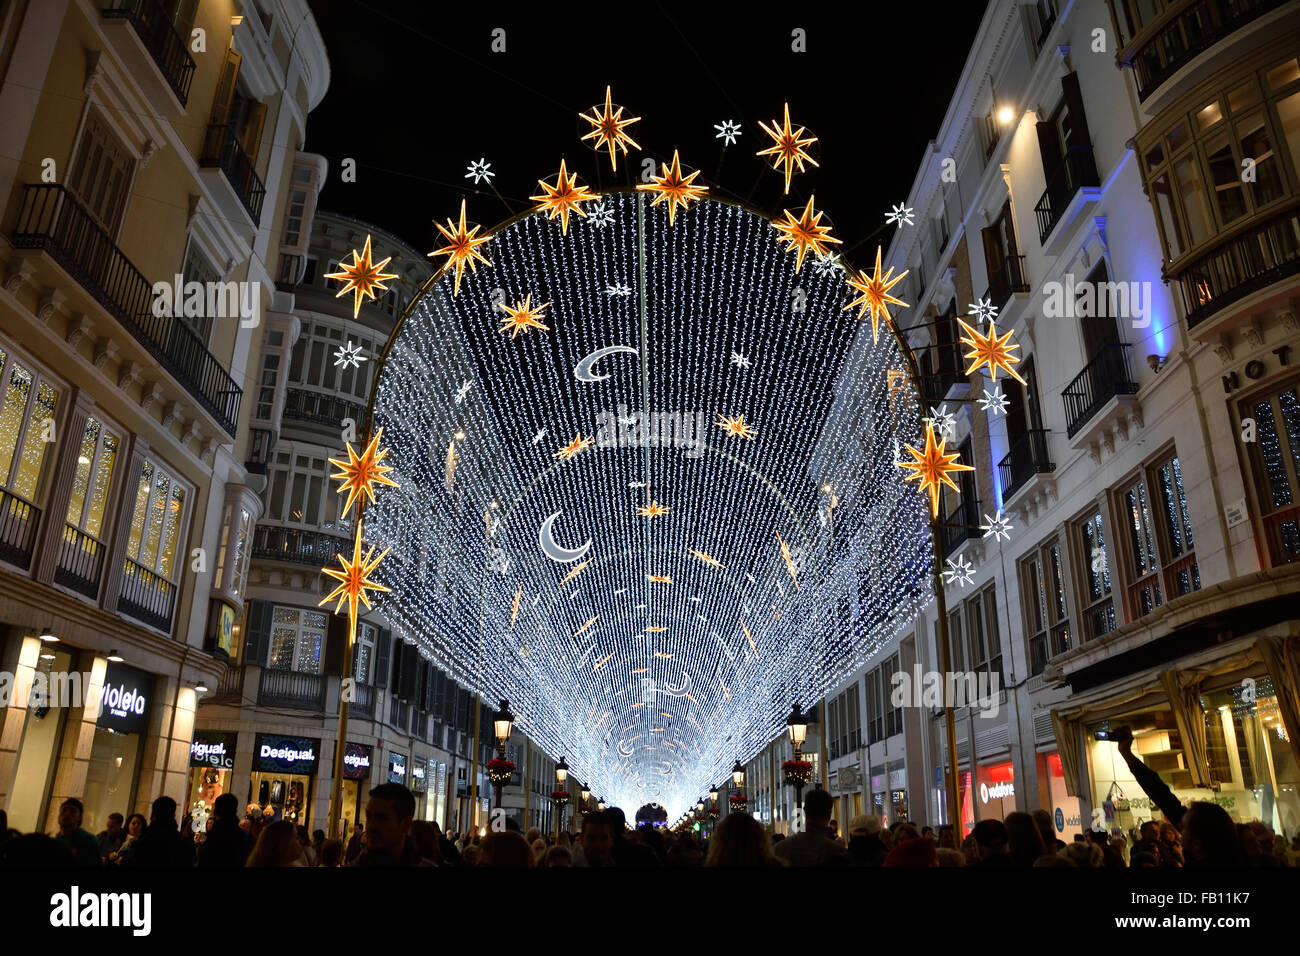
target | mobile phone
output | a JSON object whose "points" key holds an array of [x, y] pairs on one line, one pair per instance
{"points": [[1101, 735]]}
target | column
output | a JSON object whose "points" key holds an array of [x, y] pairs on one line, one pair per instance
{"points": [[165, 761], [78, 738], [20, 660]]}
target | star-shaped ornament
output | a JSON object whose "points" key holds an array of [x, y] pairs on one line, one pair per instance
{"points": [[943, 422], [564, 197], [728, 130], [933, 468], [362, 277], [827, 265], [348, 354], [672, 186], [900, 214], [601, 215], [652, 510], [735, 426], [523, 316], [804, 233], [573, 448], [480, 170], [997, 527], [991, 351], [739, 360], [462, 247], [994, 402], [787, 149], [621, 289], [360, 473], [354, 579], [984, 309], [874, 295], [609, 129], [960, 571]]}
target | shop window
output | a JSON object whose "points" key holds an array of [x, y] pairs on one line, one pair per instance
{"points": [[1275, 464], [1042, 589], [1250, 757], [157, 522], [1099, 608], [297, 639]]}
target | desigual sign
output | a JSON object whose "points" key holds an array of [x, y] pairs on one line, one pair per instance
{"points": [[356, 761], [276, 754], [124, 707], [213, 749]]}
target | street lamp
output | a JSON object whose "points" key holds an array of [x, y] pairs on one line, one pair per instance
{"points": [[561, 795], [585, 792], [797, 771], [738, 775], [500, 774], [797, 724], [738, 801]]}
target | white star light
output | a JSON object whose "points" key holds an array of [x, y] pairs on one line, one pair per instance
{"points": [[600, 215], [961, 571], [900, 214], [620, 289], [728, 130], [943, 422], [479, 171], [985, 309], [997, 527], [541, 433], [994, 402], [349, 354], [463, 391], [826, 265], [739, 360]]}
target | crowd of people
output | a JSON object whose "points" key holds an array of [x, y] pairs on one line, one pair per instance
{"points": [[1206, 836]]}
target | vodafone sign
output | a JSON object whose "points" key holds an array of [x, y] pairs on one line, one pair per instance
{"points": [[997, 791], [997, 782]]}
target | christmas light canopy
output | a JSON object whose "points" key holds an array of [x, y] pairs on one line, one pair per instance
{"points": [[654, 586]]}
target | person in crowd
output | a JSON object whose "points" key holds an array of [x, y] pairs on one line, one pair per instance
{"points": [[278, 845], [947, 856], [913, 851], [390, 811], [740, 840], [356, 843], [1148, 840], [162, 845], [1024, 841], [992, 848], [904, 830], [833, 828], [308, 851], [1082, 853], [1144, 858], [227, 845], [558, 856], [1118, 855], [472, 854], [686, 851], [814, 846], [80, 842], [597, 840], [1055, 859], [1171, 845], [135, 825], [539, 849], [927, 833], [35, 851], [1051, 841], [626, 852], [866, 848], [506, 848], [946, 838], [111, 837], [450, 855], [425, 835], [331, 853], [317, 840]]}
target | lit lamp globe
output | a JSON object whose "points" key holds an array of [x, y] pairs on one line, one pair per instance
{"points": [[502, 723], [797, 724], [738, 775], [561, 773]]}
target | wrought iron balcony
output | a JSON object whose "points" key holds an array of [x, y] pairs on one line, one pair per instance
{"points": [[1006, 281], [1077, 169], [1267, 252], [51, 219], [158, 34], [1189, 33], [1028, 457], [80, 563], [18, 521], [1107, 375], [299, 546], [321, 408], [959, 525], [951, 371], [146, 596], [293, 689], [363, 701], [222, 149]]}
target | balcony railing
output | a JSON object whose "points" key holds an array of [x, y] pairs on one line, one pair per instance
{"points": [[292, 689], [1028, 457], [159, 36], [1107, 375], [146, 597], [1077, 169], [1099, 620], [1006, 281], [1190, 33], [1250, 261], [363, 701], [960, 525], [18, 521], [222, 149], [261, 443], [301, 546], [80, 563], [951, 371], [320, 407], [52, 220]]}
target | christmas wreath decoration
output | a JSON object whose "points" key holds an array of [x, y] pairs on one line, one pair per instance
{"points": [[739, 802], [584, 808], [797, 772], [500, 771], [714, 812], [560, 797]]}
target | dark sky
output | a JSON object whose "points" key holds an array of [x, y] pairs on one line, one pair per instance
{"points": [[416, 94]]}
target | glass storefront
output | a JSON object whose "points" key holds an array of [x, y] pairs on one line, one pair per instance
{"points": [[212, 760], [114, 763], [283, 771], [1067, 815], [356, 783], [995, 791]]}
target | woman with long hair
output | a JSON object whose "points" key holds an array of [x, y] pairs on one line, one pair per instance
{"points": [[135, 825], [1024, 838], [277, 845], [740, 840]]}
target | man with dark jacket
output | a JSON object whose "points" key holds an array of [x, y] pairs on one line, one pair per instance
{"points": [[627, 853], [227, 845], [162, 845], [814, 846], [993, 844], [389, 814]]}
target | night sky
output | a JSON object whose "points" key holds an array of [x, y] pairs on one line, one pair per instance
{"points": [[416, 94]]}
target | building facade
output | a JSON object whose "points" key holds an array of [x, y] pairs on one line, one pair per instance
{"points": [[149, 148], [1135, 230]]}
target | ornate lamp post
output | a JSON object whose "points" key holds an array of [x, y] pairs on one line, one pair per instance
{"points": [[560, 796], [738, 800], [585, 805], [798, 772], [500, 770]]}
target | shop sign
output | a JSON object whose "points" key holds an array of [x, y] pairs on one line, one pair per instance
{"points": [[397, 768], [213, 749], [418, 772], [226, 629], [278, 754], [356, 761], [127, 695], [997, 791]]}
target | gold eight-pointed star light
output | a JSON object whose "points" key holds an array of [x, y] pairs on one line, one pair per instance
{"points": [[805, 233], [609, 129], [353, 576], [932, 468], [564, 197], [572, 448], [362, 277], [523, 316], [735, 426], [653, 510], [787, 149], [462, 247], [875, 297], [789, 564], [992, 351], [659, 579], [674, 187], [360, 473]]}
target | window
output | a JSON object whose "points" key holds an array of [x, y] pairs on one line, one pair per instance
{"points": [[1099, 608], [27, 418], [313, 365], [297, 639], [101, 173], [853, 718], [1042, 589], [1159, 539], [1275, 464], [833, 725], [982, 633], [266, 386], [196, 268], [93, 479], [155, 535], [366, 636], [238, 553], [875, 707], [893, 715]]}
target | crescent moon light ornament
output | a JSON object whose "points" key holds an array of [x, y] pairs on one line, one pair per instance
{"points": [[552, 550], [583, 370]]}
